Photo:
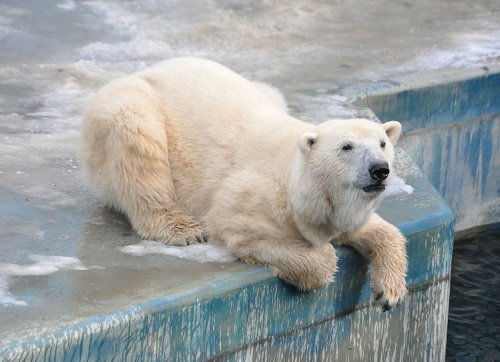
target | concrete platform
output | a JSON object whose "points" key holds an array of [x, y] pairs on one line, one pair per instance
{"points": [[101, 304]]}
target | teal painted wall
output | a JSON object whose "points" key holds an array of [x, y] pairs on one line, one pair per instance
{"points": [[270, 320], [452, 131]]}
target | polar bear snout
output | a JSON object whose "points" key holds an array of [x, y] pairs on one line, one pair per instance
{"points": [[379, 171], [375, 181]]}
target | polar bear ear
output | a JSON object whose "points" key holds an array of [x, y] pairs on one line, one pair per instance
{"points": [[307, 141], [393, 130]]}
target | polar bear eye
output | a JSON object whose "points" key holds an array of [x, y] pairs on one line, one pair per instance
{"points": [[382, 144], [347, 147]]}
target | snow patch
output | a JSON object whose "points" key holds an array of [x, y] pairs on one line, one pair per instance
{"points": [[397, 187], [6, 297], [136, 48], [336, 106], [8, 15], [42, 265], [67, 5], [471, 50], [202, 253], [115, 16], [319, 106]]}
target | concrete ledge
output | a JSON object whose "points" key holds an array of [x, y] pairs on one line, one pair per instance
{"points": [[251, 313]]}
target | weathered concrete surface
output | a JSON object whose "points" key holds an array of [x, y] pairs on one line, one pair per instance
{"points": [[53, 57]]}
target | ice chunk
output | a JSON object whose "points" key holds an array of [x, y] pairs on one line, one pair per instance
{"points": [[6, 297], [397, 186], [203, 253], [67, 5], [42, 265]]}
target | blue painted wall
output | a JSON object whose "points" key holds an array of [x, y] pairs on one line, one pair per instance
{"points": [[271, 320], [452, 131]]}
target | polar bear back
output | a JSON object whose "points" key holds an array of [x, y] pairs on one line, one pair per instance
{"points": [[215, 109], [213, 123]]}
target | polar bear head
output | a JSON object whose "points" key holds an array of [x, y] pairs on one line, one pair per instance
{"points": [[354, 154], [343, 167]]}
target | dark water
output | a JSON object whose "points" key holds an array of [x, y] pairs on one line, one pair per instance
{"points": [[474, 317]]}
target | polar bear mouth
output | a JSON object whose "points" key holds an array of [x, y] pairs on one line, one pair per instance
{"points": [[374, 188]]}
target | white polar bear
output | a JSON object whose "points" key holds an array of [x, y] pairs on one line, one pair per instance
{"points": [[190, 151]]}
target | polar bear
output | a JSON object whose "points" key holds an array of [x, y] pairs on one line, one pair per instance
{"points": [[191, 151]]}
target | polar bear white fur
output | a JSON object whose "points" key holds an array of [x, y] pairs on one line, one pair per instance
{"points": [[190, 151]]}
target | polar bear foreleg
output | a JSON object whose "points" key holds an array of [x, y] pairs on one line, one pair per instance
{"points": [[296, 262], [385, 247]]}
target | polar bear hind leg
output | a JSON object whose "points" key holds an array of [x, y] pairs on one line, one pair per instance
{"points": [[125, 153]]}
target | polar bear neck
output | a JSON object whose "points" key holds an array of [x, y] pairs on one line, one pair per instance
{"points": [[321, 212]]}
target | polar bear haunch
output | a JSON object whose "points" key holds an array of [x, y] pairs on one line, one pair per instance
{"points": [[190, 150]]}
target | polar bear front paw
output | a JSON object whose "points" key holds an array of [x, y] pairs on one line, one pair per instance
{"points": [[389, 291], [307, 267], [189, 236]]}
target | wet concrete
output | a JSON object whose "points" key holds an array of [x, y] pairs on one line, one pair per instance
{"points": [[54, 56]]}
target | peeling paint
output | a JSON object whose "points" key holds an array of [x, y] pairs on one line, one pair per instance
{"points": [[266, 318]]}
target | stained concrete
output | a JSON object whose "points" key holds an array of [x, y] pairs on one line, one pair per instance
{"points": [[54, 56]]}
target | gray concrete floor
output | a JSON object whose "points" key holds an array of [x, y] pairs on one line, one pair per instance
{"points": [[54, 56]]}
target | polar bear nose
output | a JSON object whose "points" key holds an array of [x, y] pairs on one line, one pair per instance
{"points": [[379, 171]]}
